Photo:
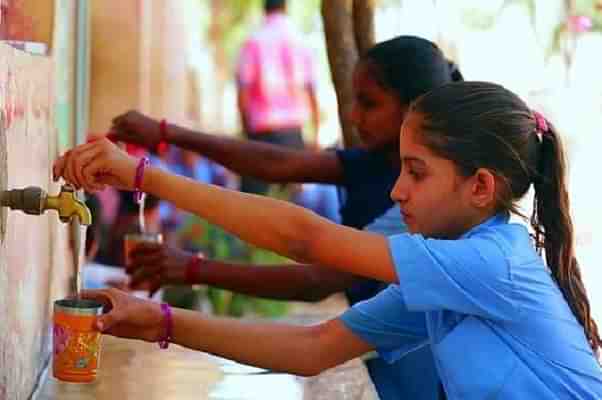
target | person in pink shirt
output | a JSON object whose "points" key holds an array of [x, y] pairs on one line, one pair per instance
{"points": [[276, 85]]}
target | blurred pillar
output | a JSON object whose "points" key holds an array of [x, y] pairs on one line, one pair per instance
{"points": [[138, 60]]}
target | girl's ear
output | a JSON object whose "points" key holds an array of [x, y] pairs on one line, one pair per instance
{"points": [[483, 192]]}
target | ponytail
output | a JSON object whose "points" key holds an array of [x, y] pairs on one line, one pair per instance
{"points": [[553, 228]]}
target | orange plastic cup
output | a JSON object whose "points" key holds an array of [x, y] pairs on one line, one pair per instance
{"points": [[131, 240], [76, 340]]}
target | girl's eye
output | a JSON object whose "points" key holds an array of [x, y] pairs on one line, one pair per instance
{"points": [[414, 174]]}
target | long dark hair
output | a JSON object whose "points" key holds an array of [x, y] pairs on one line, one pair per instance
{"points": [[409, 67], [483, 125]]}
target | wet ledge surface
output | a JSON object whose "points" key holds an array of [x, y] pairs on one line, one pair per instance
{"points": [[138, 370]]}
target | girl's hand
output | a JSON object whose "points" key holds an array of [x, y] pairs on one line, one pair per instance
{"points": [[136, 128], [128, 316], [94, 165], [156, 265]]}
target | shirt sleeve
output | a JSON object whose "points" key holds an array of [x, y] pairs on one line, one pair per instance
{"points": [[247, 64], [385, 323], [470, 276]]}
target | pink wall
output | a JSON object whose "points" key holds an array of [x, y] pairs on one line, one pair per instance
{"points": [[34, 262], [139, 60]]}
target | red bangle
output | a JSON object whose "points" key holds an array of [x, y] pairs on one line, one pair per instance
{"points": [[162, 145], [138, 179], [167, 317], [193, 271]]}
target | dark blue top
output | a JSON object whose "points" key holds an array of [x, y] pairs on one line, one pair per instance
{"points": [[368, 178]]}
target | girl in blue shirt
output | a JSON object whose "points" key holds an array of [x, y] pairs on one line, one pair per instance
{"points": [[501, 323]]}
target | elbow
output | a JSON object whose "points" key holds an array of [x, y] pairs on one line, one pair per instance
{"points": [[310, 372], [317, 360], [302, 243], [314, 296]]}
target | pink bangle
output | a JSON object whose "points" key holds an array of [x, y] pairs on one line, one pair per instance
{"points": [[166, 339], [193, 269], [138, 179]]}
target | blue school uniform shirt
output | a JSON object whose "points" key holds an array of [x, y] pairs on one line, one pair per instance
{"points": [[414, 376], [497, 323], [364, 194]]}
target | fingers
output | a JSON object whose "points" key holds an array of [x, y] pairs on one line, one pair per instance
{"points": [[102, 296], [119, 119], [79, 164], [119, 283], [58, 167], [65, 167], [144, 273], [95, 164], [110, 298], [107, 321], [146, 258], [94, 175], [142, 249]]}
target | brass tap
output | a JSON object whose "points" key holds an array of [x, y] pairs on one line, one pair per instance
{"points": [[34, 201]]}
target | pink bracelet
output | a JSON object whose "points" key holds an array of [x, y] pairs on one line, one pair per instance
{"points": [[138, 179], [164, 341]]}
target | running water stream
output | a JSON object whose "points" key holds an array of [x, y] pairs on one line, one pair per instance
{"points": [[78, 237], [141, 222]]}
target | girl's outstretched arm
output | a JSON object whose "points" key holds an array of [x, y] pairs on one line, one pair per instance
{"points": [[301, 350], [280, 226], [276, 225], [269, 162]]}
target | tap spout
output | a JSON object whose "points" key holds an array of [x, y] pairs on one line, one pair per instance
{"points": [[68, 205]]}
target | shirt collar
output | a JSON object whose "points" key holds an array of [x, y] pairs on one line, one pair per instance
{"points": [[497, 219]]}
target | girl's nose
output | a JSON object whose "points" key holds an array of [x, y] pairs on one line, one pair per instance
{"points": [[399, 194]]}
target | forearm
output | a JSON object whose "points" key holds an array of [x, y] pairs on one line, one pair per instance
{"points": [[282, 227], [296, 282], [245, 157], [267, 223], [300, 350]]}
